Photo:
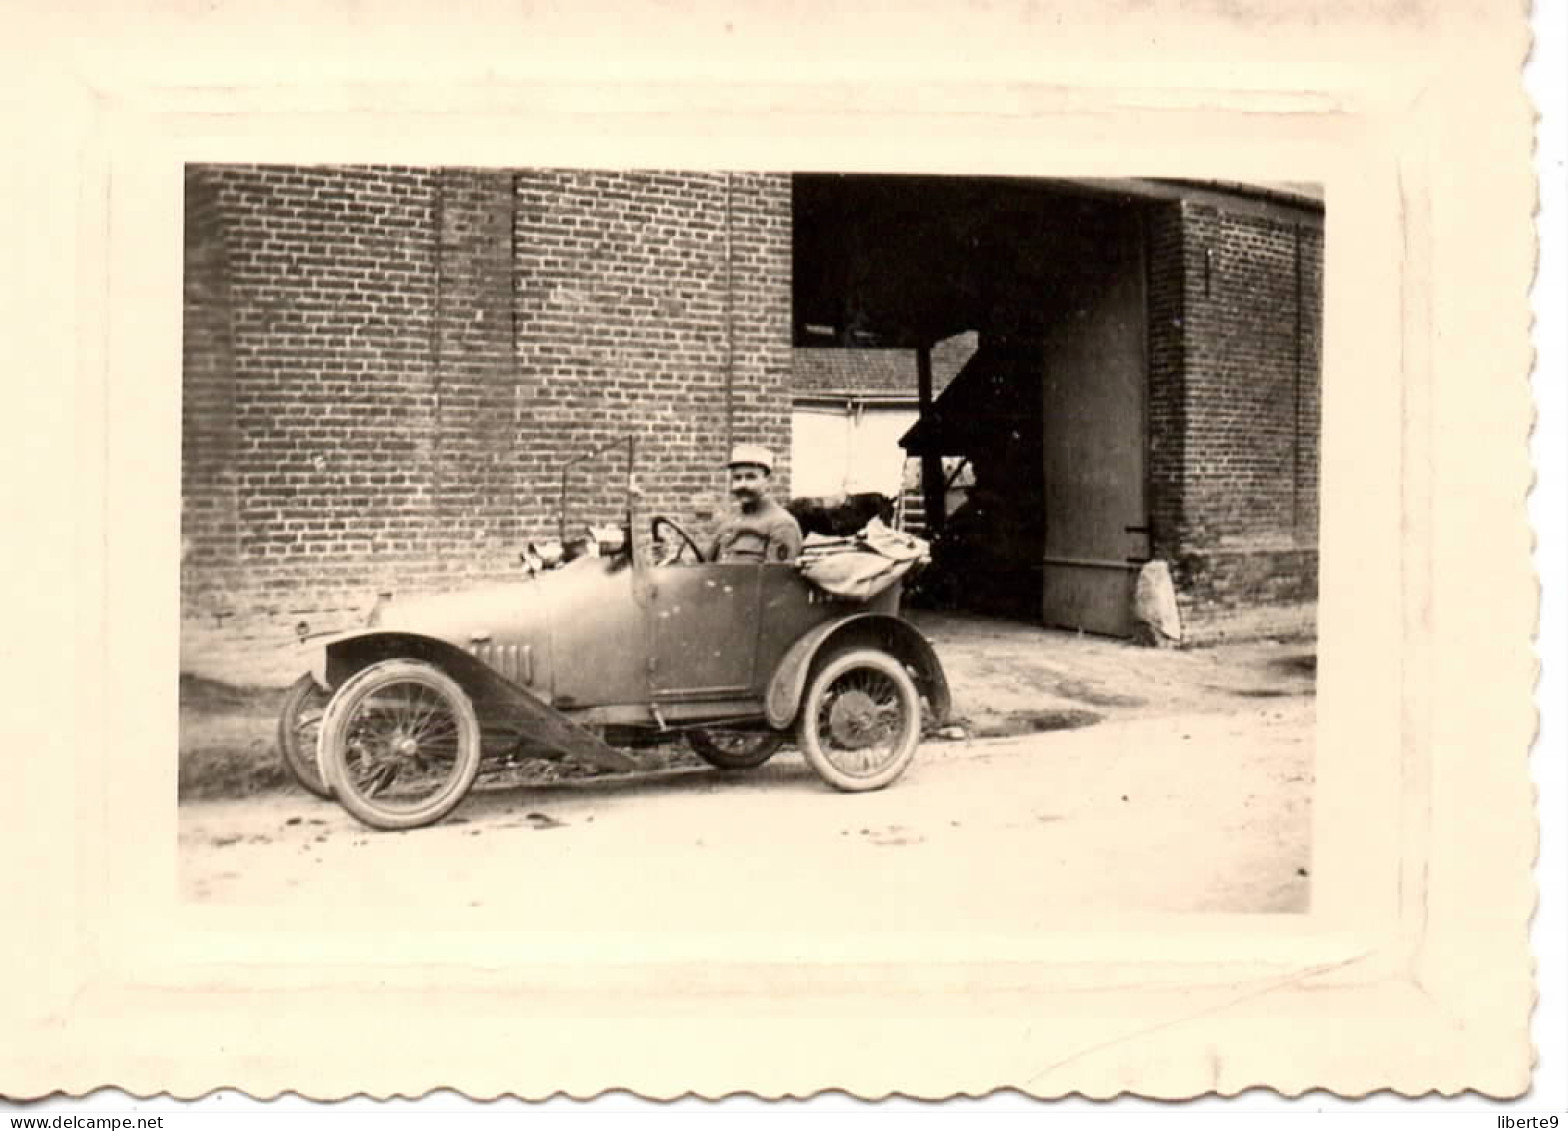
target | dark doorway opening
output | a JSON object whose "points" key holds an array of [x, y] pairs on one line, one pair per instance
{"points": [[1050, 414]]}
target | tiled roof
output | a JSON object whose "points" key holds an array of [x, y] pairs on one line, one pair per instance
{"points": [[835, 371]]}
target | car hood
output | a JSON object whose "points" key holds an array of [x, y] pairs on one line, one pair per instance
{"points": [[452, 615], [503, 610]]}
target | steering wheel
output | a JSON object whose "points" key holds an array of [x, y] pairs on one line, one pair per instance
{"points": [[659, 522]]}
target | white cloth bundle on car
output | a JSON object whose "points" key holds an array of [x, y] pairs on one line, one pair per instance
{"points": [[864, 566]]}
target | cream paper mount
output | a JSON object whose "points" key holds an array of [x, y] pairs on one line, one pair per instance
{"points": [[1410, 972]]}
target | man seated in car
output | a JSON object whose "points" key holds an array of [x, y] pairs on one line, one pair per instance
{"points": [[759, 530]]}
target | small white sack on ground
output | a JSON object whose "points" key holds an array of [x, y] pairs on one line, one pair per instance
{"points": [[1154, 606]]}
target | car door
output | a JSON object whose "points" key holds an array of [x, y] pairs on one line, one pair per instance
{"points": [[704, 620]]}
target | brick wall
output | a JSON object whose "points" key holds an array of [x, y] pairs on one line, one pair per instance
{"points": [[1241, 407], [208, 467], [1167, 379], [1309, 405], [385, 368], [628, 289]]}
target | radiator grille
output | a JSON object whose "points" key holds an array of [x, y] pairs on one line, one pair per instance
{"points": [[514, 661]]}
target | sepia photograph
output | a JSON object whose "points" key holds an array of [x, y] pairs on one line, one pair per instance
{"points": [[843, 552], [804, 563]]}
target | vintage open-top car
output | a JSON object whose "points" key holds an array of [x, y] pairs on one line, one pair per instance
{"points": [[632, 645]]}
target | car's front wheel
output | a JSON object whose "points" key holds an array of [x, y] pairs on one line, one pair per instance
{"points": [[860, 722], [400, 744]]}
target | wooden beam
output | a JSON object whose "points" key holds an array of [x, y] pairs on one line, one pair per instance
{"points": [[933, 487]]}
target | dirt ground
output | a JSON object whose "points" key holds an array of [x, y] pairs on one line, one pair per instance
{"points": [[1009, 677], [1090, 774]]}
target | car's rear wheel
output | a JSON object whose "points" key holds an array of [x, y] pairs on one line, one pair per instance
{"points": [[735, 749], [400, 744], [299, 722], [859, 725]]}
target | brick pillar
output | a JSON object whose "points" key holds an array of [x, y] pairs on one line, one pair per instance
{"points": [[760, 278], [209, 522], [1252, 317], [1167, 380], [1309, 411], [473, 379]]}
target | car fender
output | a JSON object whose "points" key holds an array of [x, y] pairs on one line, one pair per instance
{"points": [[319, 647], [340, 656], [490, 691], [891, 634]]}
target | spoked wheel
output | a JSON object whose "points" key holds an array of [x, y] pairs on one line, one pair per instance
{"points": [[735, 749], [860, 722], [298, 725], [400, 745]]}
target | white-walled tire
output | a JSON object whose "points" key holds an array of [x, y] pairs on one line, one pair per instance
{"points": [[400, 744], [859, 723]]}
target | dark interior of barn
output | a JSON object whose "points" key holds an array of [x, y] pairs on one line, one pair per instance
{"points": [[1048, 415]]}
